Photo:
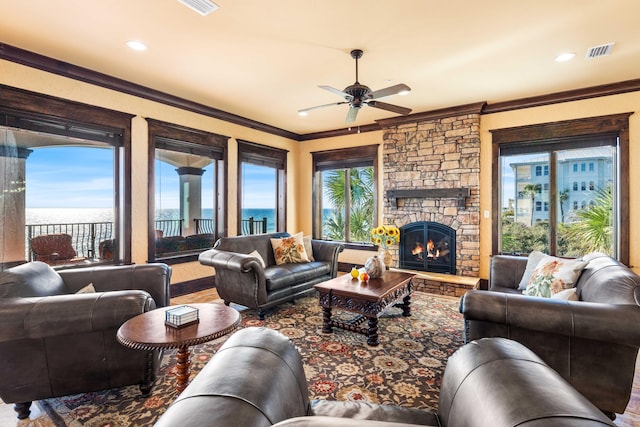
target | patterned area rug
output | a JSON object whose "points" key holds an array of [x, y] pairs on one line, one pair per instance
{"points": [[405, 369]]}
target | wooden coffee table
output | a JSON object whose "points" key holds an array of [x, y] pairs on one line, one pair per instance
{"points": [[366, 299], [148, 331]]}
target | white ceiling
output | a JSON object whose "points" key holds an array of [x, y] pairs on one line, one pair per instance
{"points": [[264, 59]]}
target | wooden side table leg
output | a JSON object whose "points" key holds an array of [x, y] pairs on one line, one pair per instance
{"points": [[183, 366], [326, 320], [372, 333]]}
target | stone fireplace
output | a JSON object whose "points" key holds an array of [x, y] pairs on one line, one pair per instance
{"points": [[431, 176]]}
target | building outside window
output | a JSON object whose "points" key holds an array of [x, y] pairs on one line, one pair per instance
{"points": [[345, 188]]}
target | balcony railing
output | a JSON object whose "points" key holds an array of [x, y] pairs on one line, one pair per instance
{"points": [[254, 226], [85, 236], [168, 227]]}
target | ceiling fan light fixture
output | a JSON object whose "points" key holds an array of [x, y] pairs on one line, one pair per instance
{"points": [[404, 92]]}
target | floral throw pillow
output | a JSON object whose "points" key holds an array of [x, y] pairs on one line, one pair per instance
{"points": [[553, 275], [289, 250]]}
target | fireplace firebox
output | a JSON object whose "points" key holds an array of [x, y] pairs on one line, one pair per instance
{"points": [[428, 246]]}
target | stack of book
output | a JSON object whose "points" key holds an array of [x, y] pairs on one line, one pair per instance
{"points": [[181, 315]]}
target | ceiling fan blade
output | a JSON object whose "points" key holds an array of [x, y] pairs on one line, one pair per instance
{"points": [[389, 107], [338, 92], [391, 90], [351, 115], [305, 110]]}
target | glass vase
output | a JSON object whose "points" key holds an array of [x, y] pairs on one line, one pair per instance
{"points": [[386, 258]]}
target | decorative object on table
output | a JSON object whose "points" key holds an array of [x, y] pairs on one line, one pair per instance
{"points": [[385, 236], [374, 266], [364, 277], [181, 316], [355, 273]]}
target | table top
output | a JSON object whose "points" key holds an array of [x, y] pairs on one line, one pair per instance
{"points": [[374, 289], [147, 331]]}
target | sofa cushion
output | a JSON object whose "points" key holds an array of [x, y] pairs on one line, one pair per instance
{"points": [[289, 249], [532, 262], [553, 275], [286, 275], [33, 279]]}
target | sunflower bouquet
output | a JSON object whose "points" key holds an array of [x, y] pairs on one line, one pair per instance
{"points": [[385, 236]]}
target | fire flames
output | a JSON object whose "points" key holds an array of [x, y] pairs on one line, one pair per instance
{"points": [[419, 250]]}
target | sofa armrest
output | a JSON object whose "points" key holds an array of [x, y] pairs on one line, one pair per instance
{"points": [[506, 271], [600, 322], [41, 317], [327, 251], [234, 261], [255, 379], [154, 278]]}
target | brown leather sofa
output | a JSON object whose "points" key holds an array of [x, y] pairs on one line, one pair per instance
{"points": [[490, 382], [592, 342], [241, 278], [56, 342]]}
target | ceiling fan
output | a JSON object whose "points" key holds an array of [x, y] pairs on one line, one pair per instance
{"points": [[358, 95]]}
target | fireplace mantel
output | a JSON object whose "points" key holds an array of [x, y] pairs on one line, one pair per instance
{"points": [[460, 194]]}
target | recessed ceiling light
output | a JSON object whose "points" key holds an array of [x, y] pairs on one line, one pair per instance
{"points": [[136, 45], [303, 113], [563, 57]]}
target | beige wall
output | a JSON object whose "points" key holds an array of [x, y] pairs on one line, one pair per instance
{"points": [[19, 76], [624, 103], [299, 177]]}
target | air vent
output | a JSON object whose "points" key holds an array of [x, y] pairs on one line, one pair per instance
{"points": [[203, 7], [598, 51]]}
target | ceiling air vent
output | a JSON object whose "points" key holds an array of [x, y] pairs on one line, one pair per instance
{"points": [[598, 51], [203, 7]]}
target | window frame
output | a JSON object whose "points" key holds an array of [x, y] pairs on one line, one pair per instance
{"points": [[615, 124], [169, 133], [343, 158], [28, 110], [263, 155]]}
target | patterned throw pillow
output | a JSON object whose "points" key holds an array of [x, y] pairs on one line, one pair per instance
{"points": [[532, 262], [289, 250], [553, 275]]}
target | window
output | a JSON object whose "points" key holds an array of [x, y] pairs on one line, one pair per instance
{"points": [[561, 231], [546, 170], [538, 170], [546, 206], [591, 167], [66, 171], [583, 167], [186, 206], [344, 197], [538, 206], [575, 167], [575, 186], [261, 188], [592, 185], [545, 186], [583, 187]]}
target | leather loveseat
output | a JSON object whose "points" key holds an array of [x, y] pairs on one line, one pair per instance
{"points": [[257, 379], [242, 279], [56, 342], [592, 342]]}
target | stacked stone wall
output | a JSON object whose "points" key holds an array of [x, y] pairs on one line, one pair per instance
{"points": [[442, 153]]}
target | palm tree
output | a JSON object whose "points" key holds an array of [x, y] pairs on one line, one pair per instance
{"points": [[563, 196], [530, 190], [593, 224], [361, 206]]}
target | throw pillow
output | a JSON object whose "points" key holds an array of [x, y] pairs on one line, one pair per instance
{"points": [[553, 275], [89, 289], [532, 262], [289, 249], [308, 248], [257, 255], [570, 294]]}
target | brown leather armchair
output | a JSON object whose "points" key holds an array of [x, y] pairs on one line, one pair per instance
{"points": [[593, 342], [53, 249], [54, 342]]}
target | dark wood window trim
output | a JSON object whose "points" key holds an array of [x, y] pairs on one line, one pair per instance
{"points": [[176, 137], [262, 155], [341, 159], [615, 124], [34, 111]]}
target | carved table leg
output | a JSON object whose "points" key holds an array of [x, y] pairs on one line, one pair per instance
{"points": [[326, 320], [406, 306], [183, 366], [372, 334]]}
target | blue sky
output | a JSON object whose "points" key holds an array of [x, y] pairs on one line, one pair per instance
{"points": [[77, 177]]}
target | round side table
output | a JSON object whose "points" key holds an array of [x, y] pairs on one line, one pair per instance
{"points": [[148, 331]]}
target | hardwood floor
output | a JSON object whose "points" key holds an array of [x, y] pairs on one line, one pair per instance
{"points": [[631, 417]]}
